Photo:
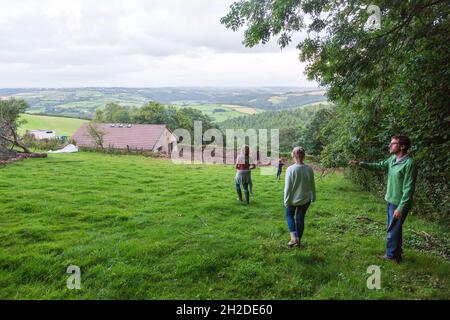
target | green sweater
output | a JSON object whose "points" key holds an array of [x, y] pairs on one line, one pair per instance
{"points": [[401, 180]]}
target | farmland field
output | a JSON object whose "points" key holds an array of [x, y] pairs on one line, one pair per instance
{"points": [[142, 228], [62, 126], [221, 112]]}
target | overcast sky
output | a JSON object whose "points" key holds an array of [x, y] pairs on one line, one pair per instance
{"points": [[134, 43]]}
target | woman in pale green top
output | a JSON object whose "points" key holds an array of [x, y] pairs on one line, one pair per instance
{"points": [[299, 192]]}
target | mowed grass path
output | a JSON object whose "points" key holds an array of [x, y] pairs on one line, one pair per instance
{"points": [[143, 228]]}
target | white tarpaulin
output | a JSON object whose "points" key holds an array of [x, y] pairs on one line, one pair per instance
{"points": [[67, 149]]}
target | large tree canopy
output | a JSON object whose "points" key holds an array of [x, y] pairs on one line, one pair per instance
{"points": [[385, 81]]}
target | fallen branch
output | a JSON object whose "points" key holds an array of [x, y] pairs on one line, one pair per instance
{"points": [[21, 156], [432, 243]]}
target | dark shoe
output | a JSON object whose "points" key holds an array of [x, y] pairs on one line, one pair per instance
{"points": [[394, 259]]}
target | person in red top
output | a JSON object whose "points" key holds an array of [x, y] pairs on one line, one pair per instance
{"points": [[244, 165]]}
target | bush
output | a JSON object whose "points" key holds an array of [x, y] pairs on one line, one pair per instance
{"points": [[42, 145], [109, 150]]}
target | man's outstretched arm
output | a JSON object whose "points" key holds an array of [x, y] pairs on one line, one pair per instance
{"points": [[381, 165]]}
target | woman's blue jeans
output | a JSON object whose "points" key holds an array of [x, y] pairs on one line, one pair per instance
{"points": [[295, 217]]}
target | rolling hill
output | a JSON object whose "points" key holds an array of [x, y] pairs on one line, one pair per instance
{"points": [[82, 102], [292, 118]]}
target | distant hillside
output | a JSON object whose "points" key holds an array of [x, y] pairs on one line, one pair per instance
{"points": [[274, 119], [82, 102], [62, 126], [222, 112]]}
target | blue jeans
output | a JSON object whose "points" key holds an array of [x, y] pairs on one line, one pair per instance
{"points": [[239, 192], [394, 238], [295, 218], [238, 187]]}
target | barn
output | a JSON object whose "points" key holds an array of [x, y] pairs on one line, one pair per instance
{"points": [[145, 137]]}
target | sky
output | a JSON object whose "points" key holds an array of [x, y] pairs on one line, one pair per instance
{"points": [[134, 43]]}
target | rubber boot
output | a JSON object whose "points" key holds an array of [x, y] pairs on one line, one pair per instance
{"points": [[247, 197], [239, 193]]}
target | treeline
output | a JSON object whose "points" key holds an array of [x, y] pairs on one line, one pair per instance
{"points": [[296, 127], [154, 113], [292, 118]]}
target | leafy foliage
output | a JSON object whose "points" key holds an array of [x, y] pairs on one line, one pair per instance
{"points": [[154, 113], [10, 111], [97, 135], [316, 133], [43, 144], [290, 123]]}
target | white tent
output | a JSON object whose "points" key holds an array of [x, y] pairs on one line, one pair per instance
{"points": [[67, 149]]}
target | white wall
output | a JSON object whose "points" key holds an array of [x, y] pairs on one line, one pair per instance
{"points": [[42, 134]]}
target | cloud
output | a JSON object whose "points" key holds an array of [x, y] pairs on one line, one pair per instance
{"points": [[124, 43]]}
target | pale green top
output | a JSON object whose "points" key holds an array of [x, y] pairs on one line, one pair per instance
{"points": [[300, 187]]}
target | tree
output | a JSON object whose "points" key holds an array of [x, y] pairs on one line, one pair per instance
{"points": [[185, 118], [121, 116], [112, 113], [99, 116], [10, 111], [288, 138], [385, 81], [97, 135], [174, 118], [150, 113], [317, 132]]}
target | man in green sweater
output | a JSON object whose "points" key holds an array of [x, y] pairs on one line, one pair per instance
{"points": [[402, 174]]}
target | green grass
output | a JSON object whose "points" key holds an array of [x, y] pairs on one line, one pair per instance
{"points": [[62, 126], [142, 228]]}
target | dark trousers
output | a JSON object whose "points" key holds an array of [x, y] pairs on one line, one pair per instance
{"points": [[394, 237]]}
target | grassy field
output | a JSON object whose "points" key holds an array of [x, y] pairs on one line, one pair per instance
{"points": [[62, 126], [222, 112], [142, 228]]}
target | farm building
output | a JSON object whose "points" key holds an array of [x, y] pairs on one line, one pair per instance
{"points": [[146, 137], [42, 134]]}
